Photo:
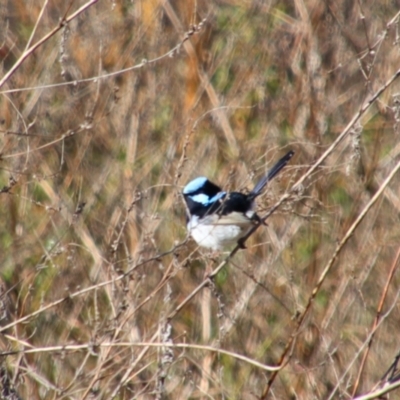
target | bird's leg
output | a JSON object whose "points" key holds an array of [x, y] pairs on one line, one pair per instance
{"points": [[241, 244], [259, 221]]}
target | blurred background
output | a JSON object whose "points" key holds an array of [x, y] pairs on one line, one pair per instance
{"points": [[100, 129]]}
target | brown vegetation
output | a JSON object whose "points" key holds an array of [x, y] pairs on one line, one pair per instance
{"points": [[102, 123]]}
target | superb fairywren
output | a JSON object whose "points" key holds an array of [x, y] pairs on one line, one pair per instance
{"points": [[216, 218]]}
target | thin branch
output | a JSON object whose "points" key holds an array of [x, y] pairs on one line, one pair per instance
{"points": [[92, 347], [144, 62], [377, 319], [361, 348], [39, 18], [88, 289], [327, 269], [44, 39], [377, 394]]}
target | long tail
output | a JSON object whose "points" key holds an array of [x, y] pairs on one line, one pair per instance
{"points": [[271, 174]]}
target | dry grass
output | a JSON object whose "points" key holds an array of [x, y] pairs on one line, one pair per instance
{"points": [[101, 294]]}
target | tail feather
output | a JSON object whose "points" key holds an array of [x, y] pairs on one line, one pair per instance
{"points": [[271, 174]]}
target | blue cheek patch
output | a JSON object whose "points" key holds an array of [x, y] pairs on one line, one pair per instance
{"points": [[201, 198], [195, 185], [205, 200]]}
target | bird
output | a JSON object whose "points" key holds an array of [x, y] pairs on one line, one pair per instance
{"points": [[215, 218]]}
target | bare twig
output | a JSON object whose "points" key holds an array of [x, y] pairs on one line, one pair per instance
{"points": [[89, 346], [327, 269], [44, 39], [376, 321], [377, 394]]}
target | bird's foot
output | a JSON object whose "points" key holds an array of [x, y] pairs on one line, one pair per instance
{"points": [[241, 244], [259, 220]]}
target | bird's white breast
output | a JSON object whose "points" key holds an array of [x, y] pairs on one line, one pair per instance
{"points": [[216, 231]]}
